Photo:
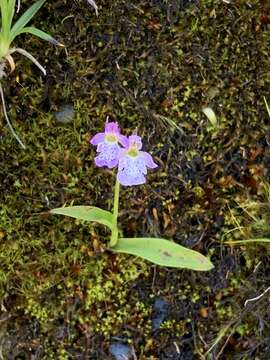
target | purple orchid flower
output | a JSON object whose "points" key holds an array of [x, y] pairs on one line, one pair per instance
{"points": [[108, 147], [133, 163]]}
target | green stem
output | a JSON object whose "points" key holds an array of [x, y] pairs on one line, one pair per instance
{"points": [[114, 236]]}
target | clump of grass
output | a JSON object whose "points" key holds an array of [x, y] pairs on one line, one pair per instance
{"points": [[8, 34], [251, 220]]}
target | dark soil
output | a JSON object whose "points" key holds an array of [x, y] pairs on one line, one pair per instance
{"points": [[152, 66]]}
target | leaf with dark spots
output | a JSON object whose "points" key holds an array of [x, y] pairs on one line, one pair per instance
{"points": [[163, 252]]}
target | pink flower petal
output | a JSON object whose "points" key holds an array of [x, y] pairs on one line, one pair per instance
{"points": [[135, 140], [123, 140], [149, 162], [112, 127], [98, 138]]}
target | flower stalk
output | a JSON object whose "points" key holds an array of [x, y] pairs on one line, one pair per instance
{"points": [[114, 236]]}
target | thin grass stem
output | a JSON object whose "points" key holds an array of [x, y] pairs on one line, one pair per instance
{"points": [[92, 2], [7, 119]]}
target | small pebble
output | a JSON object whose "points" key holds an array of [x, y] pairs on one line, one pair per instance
{"points": [[65, 114], [160, 308], [120, 351]]}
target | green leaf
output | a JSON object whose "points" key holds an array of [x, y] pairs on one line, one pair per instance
{"points": [[11, 10], [41, 34], [163, 252], [5, 16], [87, 213], [25, 18]]}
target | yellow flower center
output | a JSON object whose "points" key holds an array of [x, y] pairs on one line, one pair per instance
{"points": [[111, 138], [133, 152]]}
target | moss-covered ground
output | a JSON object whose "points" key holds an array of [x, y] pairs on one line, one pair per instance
{"points": [[152, 66]]}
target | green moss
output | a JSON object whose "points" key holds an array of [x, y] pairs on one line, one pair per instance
{"points": [[107, 297], [34, 309], [154, 69]]}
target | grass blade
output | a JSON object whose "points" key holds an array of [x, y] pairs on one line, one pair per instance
{"points": [[247, 241], [41, 34], [25, 18], [4, 17]]}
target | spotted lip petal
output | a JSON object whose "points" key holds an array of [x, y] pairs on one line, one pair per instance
{"points": [[125, 180], [108, 155], [133, 168]]}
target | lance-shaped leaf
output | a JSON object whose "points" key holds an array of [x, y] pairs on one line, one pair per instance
{"points": [[87, 213], [163, 252]]}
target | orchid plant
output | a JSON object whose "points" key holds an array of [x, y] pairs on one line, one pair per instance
{"points": [[8, 33], [115, 150]]}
